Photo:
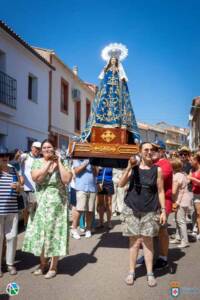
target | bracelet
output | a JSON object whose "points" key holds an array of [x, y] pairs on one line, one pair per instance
{"points": [[163, 208]]}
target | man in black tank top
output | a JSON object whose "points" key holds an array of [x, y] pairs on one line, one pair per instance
{"points": [[141, 222]]}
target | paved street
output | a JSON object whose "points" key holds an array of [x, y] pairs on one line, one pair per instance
{"points": [[95, 270]]}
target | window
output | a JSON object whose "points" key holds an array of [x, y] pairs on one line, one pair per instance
{"points": [[32, 88], [88, 108], [76, 94], [77, 115], [64, 96]]}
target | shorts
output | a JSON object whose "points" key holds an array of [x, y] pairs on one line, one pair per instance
{"points": [[30, 201], [108, 189], [139, 223], [196, 198], [85, 201]]}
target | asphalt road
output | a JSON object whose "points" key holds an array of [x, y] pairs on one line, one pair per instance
{"points": [[96, 267]]}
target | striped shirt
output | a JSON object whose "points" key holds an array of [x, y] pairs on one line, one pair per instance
{"points": [[8, 196]]}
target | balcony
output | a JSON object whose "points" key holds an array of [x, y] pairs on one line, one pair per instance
{"points": [[8, 90]]}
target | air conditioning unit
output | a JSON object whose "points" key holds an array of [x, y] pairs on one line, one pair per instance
{"points": [[76, 94]]}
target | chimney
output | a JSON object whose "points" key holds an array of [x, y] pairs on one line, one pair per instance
{"points": [[75, 70]]}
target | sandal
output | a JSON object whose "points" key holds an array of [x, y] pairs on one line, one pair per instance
{"points": [[50, 274], [151, 280], [40, 270], [130, 278]]}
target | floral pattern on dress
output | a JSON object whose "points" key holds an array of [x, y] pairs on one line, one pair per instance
{"points": [[49, 227]]}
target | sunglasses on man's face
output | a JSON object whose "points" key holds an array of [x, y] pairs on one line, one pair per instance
{"points": [[183, 154]]}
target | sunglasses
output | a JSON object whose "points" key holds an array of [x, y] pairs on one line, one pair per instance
{"points": [[183, 154]]}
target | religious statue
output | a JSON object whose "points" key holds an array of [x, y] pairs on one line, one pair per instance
{"points": [[112, 105], [111, 134]]}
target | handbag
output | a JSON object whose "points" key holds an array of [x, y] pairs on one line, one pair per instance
{"points": [[100, 184]]}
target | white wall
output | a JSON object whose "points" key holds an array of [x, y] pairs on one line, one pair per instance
{"points": [[28, 115], [61, 120], [17, 136]]}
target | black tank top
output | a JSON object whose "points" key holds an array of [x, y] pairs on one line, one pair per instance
{"points": [[142, 194]]}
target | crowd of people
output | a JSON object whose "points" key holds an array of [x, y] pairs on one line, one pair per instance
{"points": [[47, 186]]}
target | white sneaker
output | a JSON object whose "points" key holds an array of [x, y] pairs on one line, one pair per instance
{"points": [[82, 230], [183, 245], [88, 234], [175, 241], [75, 234]]}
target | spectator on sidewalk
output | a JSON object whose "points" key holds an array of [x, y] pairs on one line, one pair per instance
{"points": [[47, 233], [85, 186], [27, 160], [9, 187], [182, 200], [141, 221]]}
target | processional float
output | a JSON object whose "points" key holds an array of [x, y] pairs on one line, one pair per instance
{"points": [[111, 134]]}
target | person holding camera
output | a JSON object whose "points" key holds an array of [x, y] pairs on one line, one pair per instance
{"points": [[47, 233]]}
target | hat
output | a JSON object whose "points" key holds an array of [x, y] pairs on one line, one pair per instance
{"points": [[184, 149], [36, 144], [159, 144]]}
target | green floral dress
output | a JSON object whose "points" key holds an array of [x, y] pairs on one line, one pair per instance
{"points": [[49, 228]]}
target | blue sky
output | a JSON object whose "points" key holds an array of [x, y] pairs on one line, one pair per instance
{"points": [[163, 38]]}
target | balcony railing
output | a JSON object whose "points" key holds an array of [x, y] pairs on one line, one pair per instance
{"points": [[8, 90]]}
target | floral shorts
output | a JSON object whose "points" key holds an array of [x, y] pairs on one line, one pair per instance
{"points": [[139, 223]]}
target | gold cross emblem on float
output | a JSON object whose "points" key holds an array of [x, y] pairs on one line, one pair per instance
{"points": [[108, 136]]}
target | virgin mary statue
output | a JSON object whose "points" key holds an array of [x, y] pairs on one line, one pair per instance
{"points": [[112, 105]]}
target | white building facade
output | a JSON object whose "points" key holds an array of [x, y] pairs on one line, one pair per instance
{"points": [[173, 136], [70, 101], [24, 92]]}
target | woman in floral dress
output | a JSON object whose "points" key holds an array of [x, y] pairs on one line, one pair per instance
{"points": [[47, 232]]}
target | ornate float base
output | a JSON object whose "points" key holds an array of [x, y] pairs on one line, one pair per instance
{"points": [[108, 147], [109, 155], [90, 150]]}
